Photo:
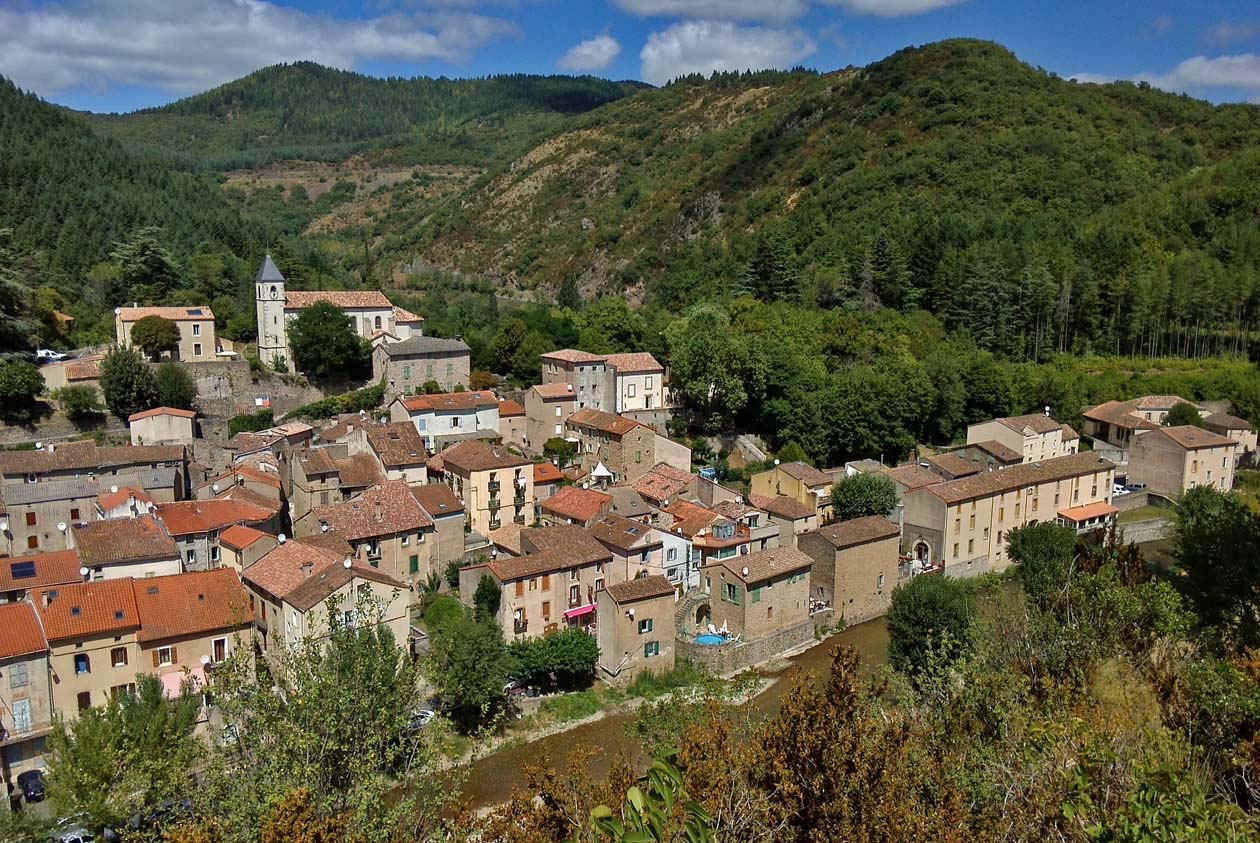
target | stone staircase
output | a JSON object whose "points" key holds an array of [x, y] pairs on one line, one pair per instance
{"points": [[685, 610]]}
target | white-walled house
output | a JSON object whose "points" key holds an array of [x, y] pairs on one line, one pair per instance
{"points": [[451, 417]]}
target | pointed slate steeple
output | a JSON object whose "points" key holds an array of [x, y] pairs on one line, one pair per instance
{"points": [[268, 272]]}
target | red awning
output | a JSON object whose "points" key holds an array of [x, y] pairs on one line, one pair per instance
{"points": [[579, 611]]}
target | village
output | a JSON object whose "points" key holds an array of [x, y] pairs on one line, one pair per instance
{"points": [[568, 500]]}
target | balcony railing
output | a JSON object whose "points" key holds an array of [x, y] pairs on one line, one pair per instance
{"points": [[493, 486], [519, 499], [519, 627], [495, 523], [494, 503], [520, 519]]}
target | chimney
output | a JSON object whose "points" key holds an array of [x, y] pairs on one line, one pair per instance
{"points": [[379, 517], [51, 447], [47, 599], [306, 568]]}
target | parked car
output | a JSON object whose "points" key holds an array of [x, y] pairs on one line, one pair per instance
{"points": [[1136, 487], [47, 355], [1117, 490], [31, 784], [161, 815]]}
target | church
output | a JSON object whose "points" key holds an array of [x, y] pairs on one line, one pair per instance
{"points": [[371, 314]]}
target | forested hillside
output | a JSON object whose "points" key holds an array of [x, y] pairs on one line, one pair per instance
{"points": [[310, 112], [1030, 211]]}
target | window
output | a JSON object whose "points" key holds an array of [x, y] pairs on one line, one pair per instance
{"points": [[559, 429], [413, 564], [196, 349], [754, 595], [557, 412], [880, 584], [32, 542], [164, 656], [957, 525], [1194, 465], [546, 582], [986, 534], [118, 657], [30, 519], [629, 390], [196, 329], [647, 382], [190, 555], [769, 612], [406, 539], [971, 524], [671, 555], [85, 700], [1001, 513], [74, 514], [645, 626], [520, 588], [22, 716], [546, 610], [731, 593], [533, 583], [82, 664], [971, 546], [406, 371], [219, 646], [376, 323], [575, 594], [599, 584], [651, 648], [17, 675], [955, 550], [573, 574], [214, 553], [128, 688]]}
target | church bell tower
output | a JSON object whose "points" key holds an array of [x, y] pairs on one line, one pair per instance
{"points": [[273, 340]]}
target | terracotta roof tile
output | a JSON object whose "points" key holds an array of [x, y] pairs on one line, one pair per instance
{"points": [[438, 499], [1193, 438], [79, 610], [690, 518], [190, 517], [857, 531], [572, 355], [805, 473], [87, 456], [622, 533], [358, 470], [991, 483], [1036, 422], [85, 368], [644, 588], [175, 314], [765, 564], [298, 299], [510, 409], [332, 541], [634, 362], [39, 570], [1224, 421], [609, 423], [569, 541], [110, 500], [1069, 433], [545, 472], [162, 411], [784, 507], [396, 443], [626, 502], [402, 315], [1097, 509], [999, 451], [413, 346], [912, 476], [239, 537], [382, 510], [554, 391], [20, 631], [663, 482], [190, 604], [123, 540], [953, 465], [475, 455], [447, 401], [305, 575], [577, 503]]}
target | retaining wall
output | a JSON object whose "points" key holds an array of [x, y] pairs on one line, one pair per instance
{"points": [[1149, 530], [725, 659]]}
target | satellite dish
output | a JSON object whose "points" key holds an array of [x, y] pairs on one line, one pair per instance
{"points": [[744, 570], [113, 490], [83, 572], [61, 526], [323, 528], [776, 460], [4, 526], [281, 538], [346, 563], [215, 488], [118, 311], [39, 446], [630, 613], [205, 660]]}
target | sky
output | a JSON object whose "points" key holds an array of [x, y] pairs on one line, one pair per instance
{"points": [[119, 55]]}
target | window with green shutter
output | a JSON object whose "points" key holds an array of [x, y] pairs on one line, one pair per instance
{"points": [[756, 595], [645, 626], [414, 564]]}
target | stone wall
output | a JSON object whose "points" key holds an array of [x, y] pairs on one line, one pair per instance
{"points": [[1149, 530], [727, 659], [228, 388], [1133, 500], [658, 418]]}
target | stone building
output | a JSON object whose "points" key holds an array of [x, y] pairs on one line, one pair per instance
{"points": [[1173, 460], [855, 566], [636, 628], [197, 342], [407, 365], [759, 594]]}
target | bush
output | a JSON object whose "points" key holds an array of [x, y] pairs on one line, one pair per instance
{"points": [[571, 706], [175, 386], [20, 383], [250, 422], [650, 685], [442, 611], [930, 618], [862, 495], [367, 399], [79, 403], [127, 383]]}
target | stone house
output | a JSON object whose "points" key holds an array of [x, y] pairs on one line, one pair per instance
{"points": [[495, 485], [636, 628], [1240, 430], [638, 381], [447, 513], [126, 547], [195, 526], [547, 409], [799, 481], [325, 475], [512, 424], [297, 589], [574, 505], [445, 419], [67, 460], [241, 546], [124, 502], [636, 548], [763, 532], [38, 516], [162, 426], [612, 383], [197, 343], [26, 702], [708, 536], [855, 566], [759, 594], [1118, 422], [1173, 460], [663, 484], [612, 448], [407, 365], [80, 371], [387, 529], [398, 449], [21, 575], [1036, 436], [586, 374], [790, 515], [547, 482], [963, 524]]}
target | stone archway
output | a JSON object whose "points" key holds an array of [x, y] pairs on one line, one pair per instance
{"points": [[923, 552], [704, 613]]}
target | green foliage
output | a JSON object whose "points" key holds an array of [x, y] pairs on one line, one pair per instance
{"points": [[862, 495], [324, 342], [441, 611], [431, 388], [367, 400], [1044, 552], [569, 655], [930, 619], [127, 383], [154, 335], [1217, 546], [650, 685], [175, 386], [452, 576], [79, 403], [660, 812], [20, 384], [564, 708], [126, 756], [250, 422], [487, 597], [714, 368], [1183, 413], [468, 664], [608, 326], [559, 451]]}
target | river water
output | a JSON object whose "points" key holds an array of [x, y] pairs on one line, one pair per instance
{"points": [[493, 778]]}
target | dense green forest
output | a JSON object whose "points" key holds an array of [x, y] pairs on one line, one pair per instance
{"points": [[310, 112]]}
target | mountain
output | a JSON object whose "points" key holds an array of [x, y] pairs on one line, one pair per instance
{"points": [[309, 112], [951, 176]]}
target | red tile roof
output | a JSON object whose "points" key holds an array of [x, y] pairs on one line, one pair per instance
{"points": [[190, 604], [475, 455], [403, 316], [663, 482], [912, 476], [644, 588], [689, 518], [572, 355], [162, 411], [857, 531], [56, 568], [239, 537], [509, 409], [85, 368], [451, 401], [576, 503], [991, 483], [382, 510], [1097, 509], [545, 472], [1224, 421], [297, 299], [552, 391], [1036, 422], [570, 542], [109, 500], [20, 631], [622, 533], [635, 362], [437, 499], [766, 564], [784, 507], [81, 610], [609, 423], [396, 443], [1192, 438], [304, 575], [188, 517], [805, 473], [175, 314], [358, 470], [124, 540]]}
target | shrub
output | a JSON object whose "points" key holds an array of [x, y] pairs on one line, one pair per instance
{"points": [[250, 422]]}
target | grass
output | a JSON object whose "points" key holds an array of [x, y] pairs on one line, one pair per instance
{"points": [[566, 707], [1247, 485], [652, 685], [1143, 513]]}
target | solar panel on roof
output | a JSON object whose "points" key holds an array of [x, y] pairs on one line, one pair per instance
{"points": [[22, 570], [194, 311]]}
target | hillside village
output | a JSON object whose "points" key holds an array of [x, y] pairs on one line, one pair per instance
{"points": [[570, 502]]}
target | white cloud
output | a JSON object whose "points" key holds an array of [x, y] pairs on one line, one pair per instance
{"points": [[705, 46], [746, 10], [184, 46], [892, 8], [1230, 33], [592, 54], [1194, 74]]}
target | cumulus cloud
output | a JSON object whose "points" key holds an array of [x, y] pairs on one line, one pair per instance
{"points": [[592, 54], [892, 8], [1194, 74], [744, 10], [704, 46], [183, 46]]}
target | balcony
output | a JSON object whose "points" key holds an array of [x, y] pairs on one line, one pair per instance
{"points": [[519, 627], [493, 486], [495, 523], [520, 519], [494, 503], [519, 498]]}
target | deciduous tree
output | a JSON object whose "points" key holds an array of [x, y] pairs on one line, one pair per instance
{"points": [[175, 386], [324, 342], [862, 495], [20, 384], [154, 335], [929, 618], [127, 383]]}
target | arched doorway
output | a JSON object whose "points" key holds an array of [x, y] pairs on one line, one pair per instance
{"points": [[922, 552], [703, 614]]}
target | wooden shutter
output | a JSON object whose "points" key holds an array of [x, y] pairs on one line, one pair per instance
{"points": [[156, 663], [546, 582], [174, 656], [520, 588]]}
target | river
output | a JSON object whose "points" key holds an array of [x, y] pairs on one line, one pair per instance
{"points": [[493, 778]]}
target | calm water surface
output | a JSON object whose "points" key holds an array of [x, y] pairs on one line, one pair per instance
{"points": [[492, 779]]}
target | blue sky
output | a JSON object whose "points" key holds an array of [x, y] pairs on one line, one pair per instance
{"points": [[117, 55]]}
